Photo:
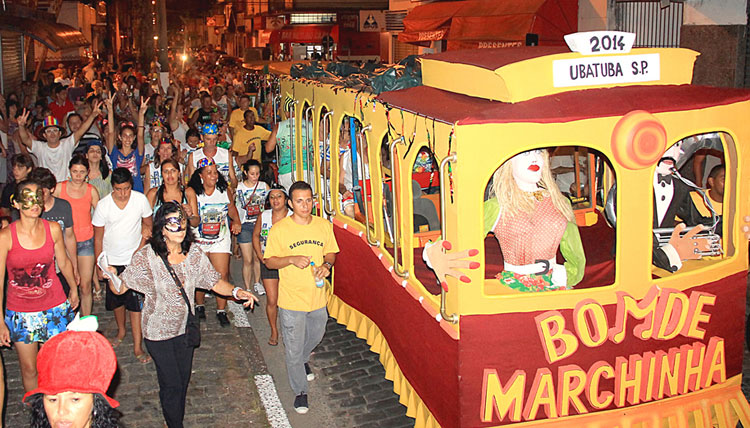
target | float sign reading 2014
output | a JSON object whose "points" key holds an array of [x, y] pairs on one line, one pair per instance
{"points": [[604, 68]]}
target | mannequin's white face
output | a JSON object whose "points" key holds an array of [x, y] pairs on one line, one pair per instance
{"points": [[527, 169], [669, 159]]}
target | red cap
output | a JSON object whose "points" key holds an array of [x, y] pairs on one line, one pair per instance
{"points": [[77, 361]]}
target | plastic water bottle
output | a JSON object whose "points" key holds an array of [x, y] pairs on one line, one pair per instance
{"points": [[318, 282]]}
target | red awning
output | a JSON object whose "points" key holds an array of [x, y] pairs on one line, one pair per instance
{"points": [[489, 23], [313, 33]]}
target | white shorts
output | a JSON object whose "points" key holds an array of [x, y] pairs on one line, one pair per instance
{"points": [[221, 245]]}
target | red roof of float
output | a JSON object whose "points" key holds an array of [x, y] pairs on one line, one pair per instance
{"points": [[492, 59], [566, 107]]}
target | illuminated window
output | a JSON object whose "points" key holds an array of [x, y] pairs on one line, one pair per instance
{"points": [[312, 18]]}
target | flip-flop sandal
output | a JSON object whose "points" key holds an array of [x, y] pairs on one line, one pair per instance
{"points": [[143, 358], [273, 342], [116, 341], [98, 295]]}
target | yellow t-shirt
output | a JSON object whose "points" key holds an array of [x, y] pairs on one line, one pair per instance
{"points": [[297, 289], [243, 138], [237, 118], [700, 204]]}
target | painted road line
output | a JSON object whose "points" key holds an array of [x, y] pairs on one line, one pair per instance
{"points": [[270, 399]]}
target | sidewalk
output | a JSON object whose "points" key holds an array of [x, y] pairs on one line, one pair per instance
{"points": [[222, 391]]}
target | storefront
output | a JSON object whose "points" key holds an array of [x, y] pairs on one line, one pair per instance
{"points": [[17, 23]]}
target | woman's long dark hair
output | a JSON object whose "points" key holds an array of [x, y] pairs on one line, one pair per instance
{"points": [[197, 184], [104, 415], [160, 190], [157, 241], [103, 165]]}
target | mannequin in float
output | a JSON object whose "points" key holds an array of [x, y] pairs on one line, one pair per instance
{"points": [[531, 219], [672, 199]]}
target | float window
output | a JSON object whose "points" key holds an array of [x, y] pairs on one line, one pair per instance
{"points": [[689, 188], [354, 172], [544, 228]]}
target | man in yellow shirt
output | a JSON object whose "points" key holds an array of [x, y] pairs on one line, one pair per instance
{"points": [[237, 118], [303, 248], [248, 139]]}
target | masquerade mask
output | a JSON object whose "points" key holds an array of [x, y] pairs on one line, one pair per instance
{"points": [[29, 198], [205, 162], [176, 224]]}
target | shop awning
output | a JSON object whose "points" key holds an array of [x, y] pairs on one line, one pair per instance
{"points": [[489, 23], [54, 35]]}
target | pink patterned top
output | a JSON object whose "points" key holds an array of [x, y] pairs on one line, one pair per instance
{"points": [[524, 239]]}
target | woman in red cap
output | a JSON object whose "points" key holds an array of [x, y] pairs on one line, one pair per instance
{"points": [[75, 369]]}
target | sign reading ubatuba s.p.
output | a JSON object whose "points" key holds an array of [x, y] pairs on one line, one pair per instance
{"points": [[602, 70], [597, 357]]}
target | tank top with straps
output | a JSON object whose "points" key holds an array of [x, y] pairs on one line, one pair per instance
{"points": [[81, 207], [33, 285]]}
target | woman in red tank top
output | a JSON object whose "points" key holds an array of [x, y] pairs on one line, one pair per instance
{"points": [[83, 198], [37, 307]]}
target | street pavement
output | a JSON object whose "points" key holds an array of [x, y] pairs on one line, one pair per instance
{"points": [[240, 381]]}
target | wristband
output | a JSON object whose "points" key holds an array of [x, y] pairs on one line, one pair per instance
{"points": [[234, 292], [330, 266]]}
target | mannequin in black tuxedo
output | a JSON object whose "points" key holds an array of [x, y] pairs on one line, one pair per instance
{"points": [[672, 199]]}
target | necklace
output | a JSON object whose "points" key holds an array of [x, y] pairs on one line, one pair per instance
{"points": [[538, 195]]}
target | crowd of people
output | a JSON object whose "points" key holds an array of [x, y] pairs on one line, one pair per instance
{"points": [[163, 184]]}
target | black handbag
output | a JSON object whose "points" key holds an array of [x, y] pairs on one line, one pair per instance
{"points": [[192, 326]]}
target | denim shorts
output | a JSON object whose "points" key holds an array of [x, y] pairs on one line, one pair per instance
{"points": [[85, 248], [30, 327], [246, 236]]}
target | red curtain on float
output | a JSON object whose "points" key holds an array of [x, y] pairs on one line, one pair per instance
{"points": [[476, 24]]}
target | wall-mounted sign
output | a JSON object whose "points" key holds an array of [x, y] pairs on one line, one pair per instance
{"points": [[371, 20], [603, 70]]}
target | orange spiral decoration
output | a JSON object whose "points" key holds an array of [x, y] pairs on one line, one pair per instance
{"points": [[638, 140]]}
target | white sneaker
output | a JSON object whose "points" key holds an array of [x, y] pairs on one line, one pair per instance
{"points": [[259, 289]]}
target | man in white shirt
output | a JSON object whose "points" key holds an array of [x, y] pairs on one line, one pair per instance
{"points": [[55, 153], [122, 224]]}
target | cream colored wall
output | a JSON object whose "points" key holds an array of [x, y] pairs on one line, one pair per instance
{"points": [[592, 15], [712, 12]]}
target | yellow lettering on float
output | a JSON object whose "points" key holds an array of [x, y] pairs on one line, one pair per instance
{"points": [[649, 359], [628, 380], [571, 381], [627, 305], [542, 394], [716, 369], [592, 310], [693, 369], [557, 341], [697, 301], [599, 370], [669, 371], [672, 313], [501, 400]]}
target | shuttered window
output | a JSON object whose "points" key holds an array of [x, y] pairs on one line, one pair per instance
{"points": [[11, 51]]}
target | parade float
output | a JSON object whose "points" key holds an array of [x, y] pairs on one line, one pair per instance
{"points": [[623, 342]]}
